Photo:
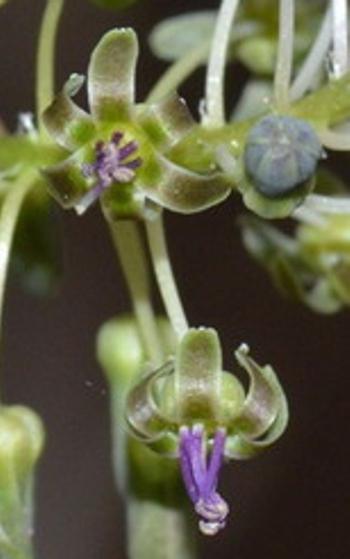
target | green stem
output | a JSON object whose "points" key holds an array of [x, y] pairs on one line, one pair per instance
{"points": [[128, 243], [159, 525], [179, 72], [284, 63], [165, 276], [45, 73], [214, 90], [9, 213], [159, 532]]}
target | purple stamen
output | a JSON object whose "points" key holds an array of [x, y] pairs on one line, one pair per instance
{"points": [[109, 167], [200, 476], [127, 150]]}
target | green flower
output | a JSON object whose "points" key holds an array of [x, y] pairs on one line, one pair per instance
{"points": [[119, 152], [193, 411], [313, 267]]}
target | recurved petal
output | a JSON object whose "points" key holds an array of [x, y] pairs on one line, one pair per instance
{"points": [[67, 123], [142, 411], [66, 182], [111, 74], [167, 121], [181, 190], [263, 402], [241, 447]]}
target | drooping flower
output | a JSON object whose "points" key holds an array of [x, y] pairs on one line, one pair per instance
{"points": [[192, 410], [99, 144]]}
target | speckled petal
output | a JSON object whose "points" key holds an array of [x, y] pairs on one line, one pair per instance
{"points": [[185, 191], [271, 411], [261, 404], [111, 74], [67, 123], [167, 121], [142, 412], [66, 182], [198, 374]]}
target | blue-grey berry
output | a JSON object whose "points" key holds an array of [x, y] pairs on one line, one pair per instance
{"points": [[281, 154]]}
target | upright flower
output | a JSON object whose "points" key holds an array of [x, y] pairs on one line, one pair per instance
{"points": [[119, 152]]}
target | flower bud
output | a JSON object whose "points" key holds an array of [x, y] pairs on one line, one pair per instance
{"points": [[21, 442]]}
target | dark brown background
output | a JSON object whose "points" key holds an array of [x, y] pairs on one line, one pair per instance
{"points": [[293, 503]]}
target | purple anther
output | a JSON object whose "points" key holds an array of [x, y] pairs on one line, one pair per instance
{"points": [[127, 150], [200, 474], [111, 166]]}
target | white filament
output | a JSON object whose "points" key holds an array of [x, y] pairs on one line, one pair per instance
{"points": [[214, 87], [314, 60], [327, 204], [304, 214], [340, 53], [284, 53], [338, 141]]}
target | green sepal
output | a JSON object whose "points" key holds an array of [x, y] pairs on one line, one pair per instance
{"points": [[111, 74], [68, 124], [264, 416], [276, 208]]}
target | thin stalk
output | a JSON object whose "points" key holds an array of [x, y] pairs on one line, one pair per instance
{"points": [[215, 86], [284, 63], [159, 531], [165, 277], [340, 38], [159, 525], [127, 240], [314, 60], [179, 72], [304, 214], [45, 71], [9, 213], [327, 204]]}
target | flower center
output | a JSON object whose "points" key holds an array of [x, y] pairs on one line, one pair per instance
{"points": [[114, 163]]}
